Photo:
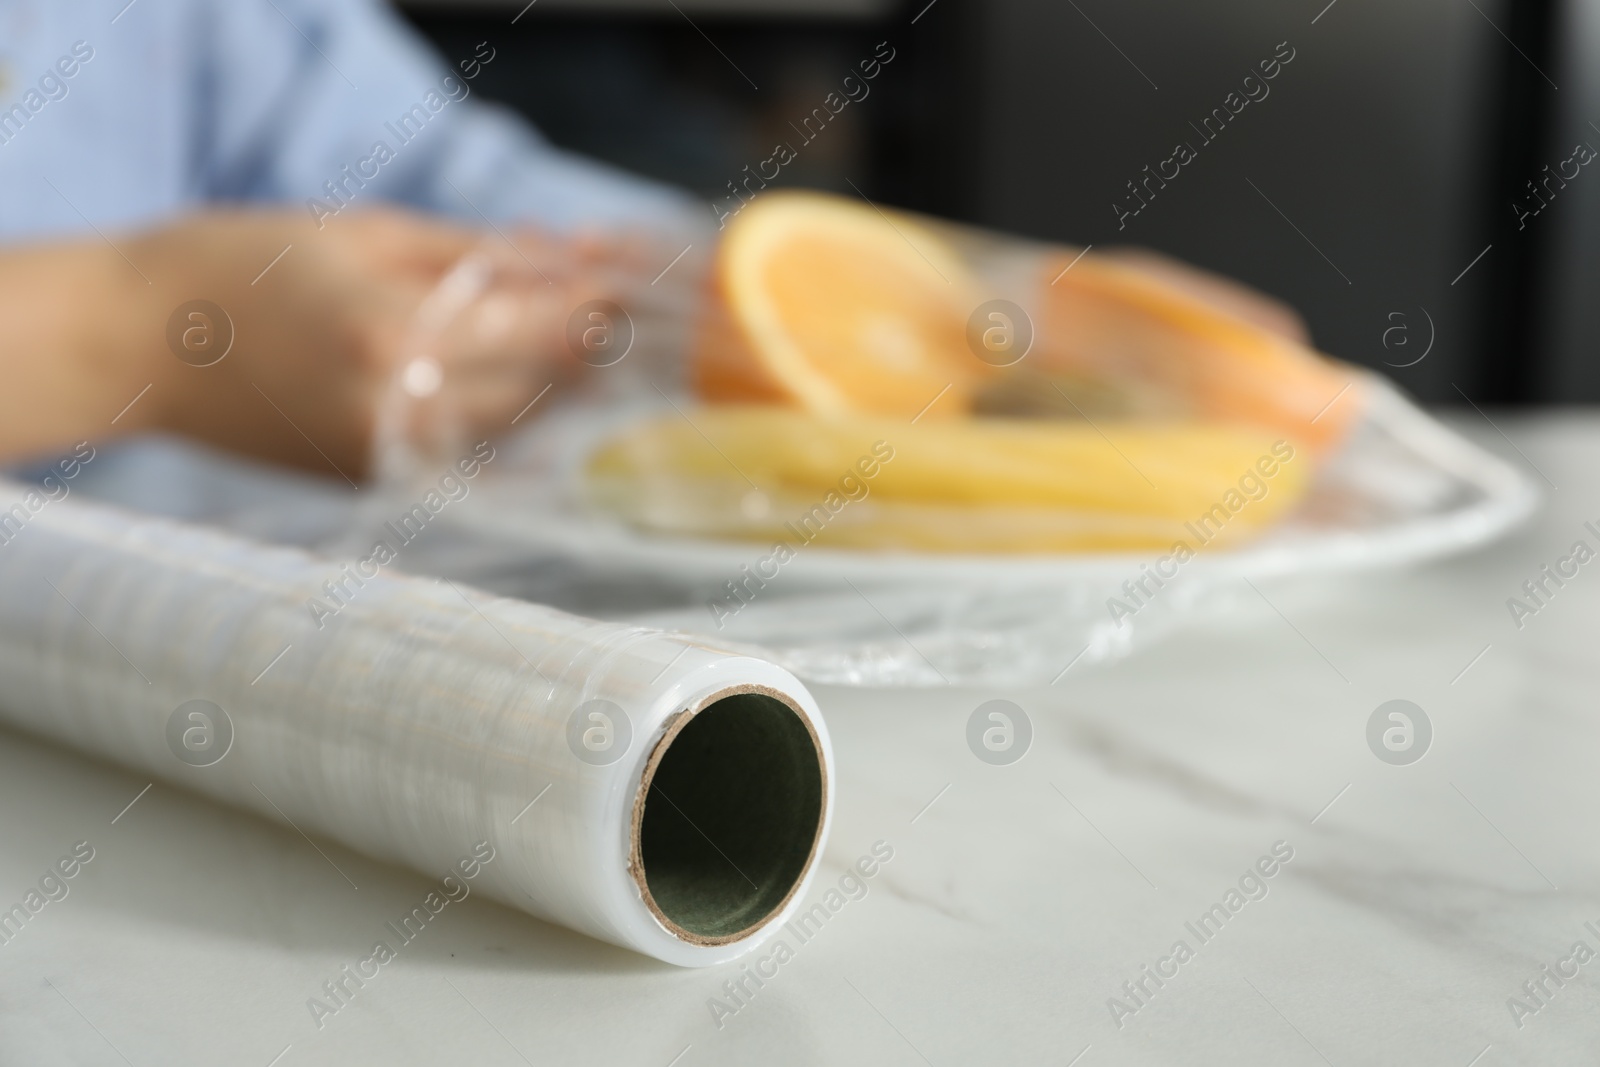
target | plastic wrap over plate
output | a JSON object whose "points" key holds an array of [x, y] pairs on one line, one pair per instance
{"points": [[1404, 488]]}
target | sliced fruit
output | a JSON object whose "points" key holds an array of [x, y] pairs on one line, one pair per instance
{"points": [[976, 485], [835, 306], [1114, 323]]}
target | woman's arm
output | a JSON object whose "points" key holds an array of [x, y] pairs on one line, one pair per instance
{"points": [[71, 362], [304, 332]]}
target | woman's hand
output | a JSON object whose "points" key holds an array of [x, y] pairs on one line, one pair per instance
{"points": [[298, 341], [320, 336]]}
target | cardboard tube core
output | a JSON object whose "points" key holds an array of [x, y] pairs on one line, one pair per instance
{"points": [[729, 815]]}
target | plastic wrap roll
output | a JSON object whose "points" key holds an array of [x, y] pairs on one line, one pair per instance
{"points": [[636, 786]]}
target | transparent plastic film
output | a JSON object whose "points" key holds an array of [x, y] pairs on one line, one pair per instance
{"points": [[650, 790], [887, 449], [526, 320]]}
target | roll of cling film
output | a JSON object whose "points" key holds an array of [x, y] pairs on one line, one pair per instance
{"points": [[638, 787]]}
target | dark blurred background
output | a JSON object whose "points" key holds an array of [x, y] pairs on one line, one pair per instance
{"points": [[1392, 185]]}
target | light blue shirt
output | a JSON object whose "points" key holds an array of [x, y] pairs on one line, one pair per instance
{"points": [[116, 115]]}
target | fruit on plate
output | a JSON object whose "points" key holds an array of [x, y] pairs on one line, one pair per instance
{"points": [[834, 306], [1105, 321], [775, 474]]}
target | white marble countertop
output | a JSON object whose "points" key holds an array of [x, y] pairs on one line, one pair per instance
{"points": [[1418, 900]]}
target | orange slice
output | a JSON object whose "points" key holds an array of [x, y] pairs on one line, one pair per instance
{"points": [[834, 306], [1105, 321]]}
